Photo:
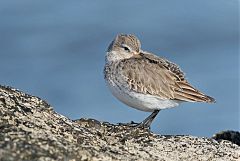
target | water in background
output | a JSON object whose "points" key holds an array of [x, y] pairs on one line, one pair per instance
{"points": [[55, 50]]}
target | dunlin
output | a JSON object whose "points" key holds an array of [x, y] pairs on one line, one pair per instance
{"points": [[145, 81]]}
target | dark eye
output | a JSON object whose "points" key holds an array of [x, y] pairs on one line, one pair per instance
{"points": [[126, 49]]}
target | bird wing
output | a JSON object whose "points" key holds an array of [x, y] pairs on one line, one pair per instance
{"points": [[148, 74]]}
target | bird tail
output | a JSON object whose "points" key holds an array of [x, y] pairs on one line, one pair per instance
{"points": [[189, 94]]}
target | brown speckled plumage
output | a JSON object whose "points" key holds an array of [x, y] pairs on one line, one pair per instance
{"points": [[149, 74], [131, 41]]}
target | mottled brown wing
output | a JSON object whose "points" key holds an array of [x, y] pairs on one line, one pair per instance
{"points": [[149, 74], [172, 67]]}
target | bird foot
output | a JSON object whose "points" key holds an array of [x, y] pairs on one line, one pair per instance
{"points": [[133, 124], [143, 126]]}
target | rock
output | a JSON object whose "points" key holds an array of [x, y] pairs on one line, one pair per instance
{"points": [[31, 130], [233, 136]]}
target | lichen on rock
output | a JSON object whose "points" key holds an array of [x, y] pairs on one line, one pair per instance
{"points": [[31, 130]]}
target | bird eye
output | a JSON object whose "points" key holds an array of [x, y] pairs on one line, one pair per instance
{"points": [[126, 48]]}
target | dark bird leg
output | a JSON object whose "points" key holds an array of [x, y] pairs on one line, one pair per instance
{"points": [[147, 122]]}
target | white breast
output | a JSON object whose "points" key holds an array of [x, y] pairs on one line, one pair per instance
{"points": [[143, 102]]}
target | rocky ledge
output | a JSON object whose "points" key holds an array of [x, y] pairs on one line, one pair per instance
{"points": [[31, 130]]}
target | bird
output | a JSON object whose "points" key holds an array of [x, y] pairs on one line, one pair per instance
{"points": [[145, 81]]}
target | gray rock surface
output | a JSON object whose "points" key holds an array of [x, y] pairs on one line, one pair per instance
{"points": [[31, 130]]}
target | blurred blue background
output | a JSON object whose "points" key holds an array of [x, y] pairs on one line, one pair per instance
{"points": [[55, 50]]}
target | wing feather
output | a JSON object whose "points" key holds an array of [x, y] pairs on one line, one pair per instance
{"points": [[149, 74]]}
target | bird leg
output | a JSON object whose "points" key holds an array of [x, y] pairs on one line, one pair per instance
{"points": [[144, 124], [147, 122]]}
